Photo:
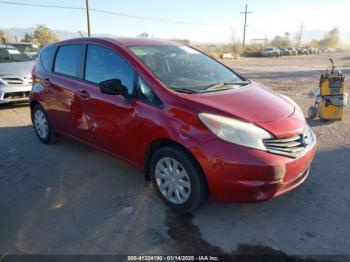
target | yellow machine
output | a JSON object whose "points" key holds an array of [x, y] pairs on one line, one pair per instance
{"points": [[332, 98]]}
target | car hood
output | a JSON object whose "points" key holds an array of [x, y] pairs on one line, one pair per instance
{"points": [[16, 68], [252, 103]]}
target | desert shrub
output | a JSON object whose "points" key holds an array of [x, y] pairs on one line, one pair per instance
{"points": [[252, 51]]}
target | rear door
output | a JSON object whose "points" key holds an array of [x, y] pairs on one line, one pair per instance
{"points": [[110, 122], [63, 85]]}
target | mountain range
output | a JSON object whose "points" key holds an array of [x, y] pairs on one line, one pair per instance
{"points": [[308, 35]]}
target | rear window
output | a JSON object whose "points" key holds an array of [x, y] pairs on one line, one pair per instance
{"points": [[67, 60], [46, 57]]}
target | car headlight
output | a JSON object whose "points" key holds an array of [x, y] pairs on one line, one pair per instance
{"points": [[235, 131], [2, 82]]}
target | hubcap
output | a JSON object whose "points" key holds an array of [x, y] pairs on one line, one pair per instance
{"points": [[172, 180], [40, 124]]}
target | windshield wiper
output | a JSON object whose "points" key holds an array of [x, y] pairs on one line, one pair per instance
{"points": [[184, 90], [220, 84], [210, 87]]}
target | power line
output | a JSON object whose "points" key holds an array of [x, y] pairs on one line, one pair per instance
{"points": [[156, 19], [41, 5], [256, 29], [245, 23], [113, 13]]}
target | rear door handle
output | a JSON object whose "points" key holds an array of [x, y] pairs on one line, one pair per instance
{"points": [[83, 94]]}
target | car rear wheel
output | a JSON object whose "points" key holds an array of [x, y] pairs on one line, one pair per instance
{"points": [[42, 125], [178, 179]]}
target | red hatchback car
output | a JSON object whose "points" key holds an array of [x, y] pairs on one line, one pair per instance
{"points": [[192, 124]]}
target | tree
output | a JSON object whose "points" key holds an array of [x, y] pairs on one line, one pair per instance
{"points": [[314, 43], [8, 37], [280, 42], [236, 46], [2, 35], [28, 37], [331, 39], [44, 35], [143, 35]]}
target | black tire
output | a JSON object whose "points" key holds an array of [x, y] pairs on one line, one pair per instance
{"points": [[49, 137], [312, 112], [199, 188]]}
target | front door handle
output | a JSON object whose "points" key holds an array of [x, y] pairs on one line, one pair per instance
{"points": [[83, 94]]}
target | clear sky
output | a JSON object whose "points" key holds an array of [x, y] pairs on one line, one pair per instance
{"points": [[269, 17]]}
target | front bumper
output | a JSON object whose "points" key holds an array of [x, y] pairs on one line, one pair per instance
{"points": [[240, 174], [14, 93]]}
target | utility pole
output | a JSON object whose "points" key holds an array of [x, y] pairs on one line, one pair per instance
{"points": [[88, 17], [245, 23], [300, 33]]}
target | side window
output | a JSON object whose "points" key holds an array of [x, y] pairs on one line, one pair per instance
{"points": [[144, 92], [4, 56], [104, 64], [46, 57], [68, 59]]}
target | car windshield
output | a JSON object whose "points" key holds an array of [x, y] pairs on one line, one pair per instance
{"points": [[182, 68], [25, 47], [8, 55]]}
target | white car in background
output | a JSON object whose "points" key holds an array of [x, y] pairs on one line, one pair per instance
{"points": [[15, 75], [269, 52], [26, 47]]}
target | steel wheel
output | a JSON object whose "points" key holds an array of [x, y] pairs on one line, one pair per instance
{"points": [[41, 124], [172, 180]]}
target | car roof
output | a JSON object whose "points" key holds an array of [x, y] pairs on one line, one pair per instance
{"points": [[7, 46], [122, 41], [21, 43]]}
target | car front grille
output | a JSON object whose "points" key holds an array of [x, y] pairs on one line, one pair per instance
{"points": [[293, 147], [16, 95], [17, 80]]}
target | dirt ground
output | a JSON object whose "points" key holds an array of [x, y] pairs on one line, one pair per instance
{"points": [[68, 198]]}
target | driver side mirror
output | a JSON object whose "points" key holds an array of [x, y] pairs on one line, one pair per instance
{"points": [[113, 87]]}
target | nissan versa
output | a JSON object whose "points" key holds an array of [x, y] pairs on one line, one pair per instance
{"points": [[196, 127]]}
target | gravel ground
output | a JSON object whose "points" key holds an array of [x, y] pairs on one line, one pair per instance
{"points": [[69, 198]]}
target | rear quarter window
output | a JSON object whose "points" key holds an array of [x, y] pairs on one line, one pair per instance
{"points": [[46, 57], [68, 59]]}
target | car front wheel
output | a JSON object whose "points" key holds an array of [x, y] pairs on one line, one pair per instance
{"points": [[178, 179]]}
